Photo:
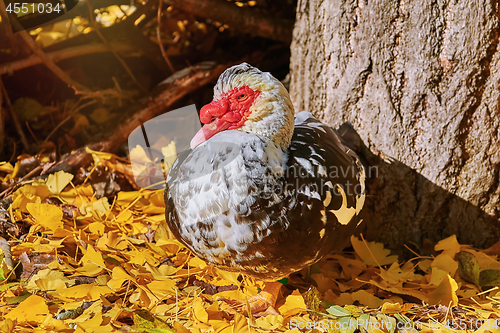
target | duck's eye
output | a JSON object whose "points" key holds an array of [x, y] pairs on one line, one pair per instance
{"points": [[242, 97]]}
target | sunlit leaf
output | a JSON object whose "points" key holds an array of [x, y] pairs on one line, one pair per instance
{"points": [[46, 215], [56, 182], [372, 253], [32, 309]]}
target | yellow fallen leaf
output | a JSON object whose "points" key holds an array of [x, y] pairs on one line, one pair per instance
{"points": [[162, 288], [366, 298], [391, 307], [32, 309], [373, 253], [437, 276], [47, 279], [92, 261], [199, 312], [141, 256], [118, 277], [197, 262], [93, 323], [230, 276], [97, 228], [449, 246], [445, 263], [56, 182], [6, 167], [399, 289], [100, 206], [7, 325], [269, 323], [46, 215], [241, 324], [87, 292], [179, 328], [445, 293], [293, 305], [112, 239], [126, 198]]}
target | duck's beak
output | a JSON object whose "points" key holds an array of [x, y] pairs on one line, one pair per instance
{"points": [[210, 115], [209, 130]]}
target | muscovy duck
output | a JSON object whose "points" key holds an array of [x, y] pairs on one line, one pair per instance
{"points": [[260, 193]]}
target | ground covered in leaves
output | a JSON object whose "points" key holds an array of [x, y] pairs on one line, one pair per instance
{"points": [[84, 255]]}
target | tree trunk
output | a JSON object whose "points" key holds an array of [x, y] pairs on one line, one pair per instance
{"points": [[420, 83]]}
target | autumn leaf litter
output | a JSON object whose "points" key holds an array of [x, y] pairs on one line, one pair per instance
{"points": [[89, 264]]}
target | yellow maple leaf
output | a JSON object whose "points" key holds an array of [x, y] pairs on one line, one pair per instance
{"points": [[46, 215]]}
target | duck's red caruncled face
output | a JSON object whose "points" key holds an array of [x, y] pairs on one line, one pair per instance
{"points": [[229, 112]]}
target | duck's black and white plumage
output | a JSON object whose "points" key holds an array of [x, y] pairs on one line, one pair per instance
{"points": [[259, 192]]}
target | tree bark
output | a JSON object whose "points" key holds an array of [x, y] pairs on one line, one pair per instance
{"points": [[420, 83]]}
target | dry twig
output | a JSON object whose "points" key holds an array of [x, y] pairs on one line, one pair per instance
{"points": [[78, 87], [160, 43], [13, 117], [105, 41], [63, 54], [246, 20]]}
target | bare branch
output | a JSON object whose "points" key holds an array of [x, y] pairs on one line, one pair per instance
{"points": [[244, 19], [62, 54], [50, 64], [174, 88]]}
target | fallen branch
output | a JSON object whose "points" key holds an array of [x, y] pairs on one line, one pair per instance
{"points": [[57, 56], [246, 20], [170, 91]]}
